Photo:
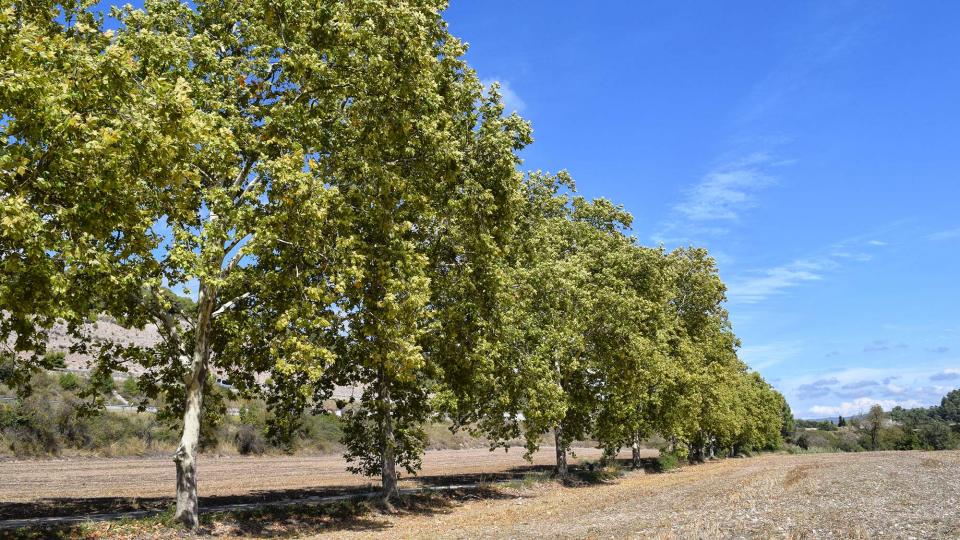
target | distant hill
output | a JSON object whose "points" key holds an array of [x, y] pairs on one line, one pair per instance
{"points": [[105, 328]]}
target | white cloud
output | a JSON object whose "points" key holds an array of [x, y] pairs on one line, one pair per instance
{"points": [[948, 234], [511, 100], [948, 374], [759, 285], [825, 393], [763, 356], [719, 198], [727, 191], [774, 280], [877, 243], [861, 405]]}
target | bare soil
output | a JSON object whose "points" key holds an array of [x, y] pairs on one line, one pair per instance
{"points": [[59, 487], [862, 495]]}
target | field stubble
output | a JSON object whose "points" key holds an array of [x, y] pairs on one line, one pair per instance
{"points": [[862, 495]]}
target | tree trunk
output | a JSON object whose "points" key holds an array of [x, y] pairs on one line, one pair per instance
{"points": [[388, 467], [635, 452], [561, 453], [188, 508]]}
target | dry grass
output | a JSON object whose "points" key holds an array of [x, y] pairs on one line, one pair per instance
{"points": [[65, 487], [867, 495], [810, 496]]}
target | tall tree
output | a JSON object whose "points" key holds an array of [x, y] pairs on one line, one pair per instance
{"points": [[539, 375], [629, 334], [425, 222], [874, 423], [245, 101]]}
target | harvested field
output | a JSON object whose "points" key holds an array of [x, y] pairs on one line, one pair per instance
{"points": [[94, 485], [863, 495]]}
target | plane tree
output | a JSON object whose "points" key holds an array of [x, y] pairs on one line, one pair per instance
{"points": [[426, 227], [222, 125], [85, 166], [541, 372], [630, 333]]}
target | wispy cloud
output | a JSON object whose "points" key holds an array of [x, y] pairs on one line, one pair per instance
{"points": [[767, 355], [840, 33], [758, 285], [948, 234], [949, 374], [818, 388], [511, 100], [880, 345], [772, 281], [720, 198], [828, 392], [859, 384], [728, 190]]}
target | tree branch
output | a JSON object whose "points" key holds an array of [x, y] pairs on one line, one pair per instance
{"points": [[229, 305]]}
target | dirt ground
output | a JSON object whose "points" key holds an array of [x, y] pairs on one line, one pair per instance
{"points": [[95, 485], [865, 495]]}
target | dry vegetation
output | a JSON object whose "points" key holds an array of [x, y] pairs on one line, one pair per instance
{"points": [[863, 495], [92, 485], [867, 495]]}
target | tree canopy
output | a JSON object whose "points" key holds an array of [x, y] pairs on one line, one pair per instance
{"points": [[342, 199]]}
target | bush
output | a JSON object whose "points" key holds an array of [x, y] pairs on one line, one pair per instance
{"points": [[130, 389], [937, 436], [69, 381], [666, 461], [254, 413], [849, 442], [803, 442], [55, 360], [249, 441], [322, 432], [34, 431]]}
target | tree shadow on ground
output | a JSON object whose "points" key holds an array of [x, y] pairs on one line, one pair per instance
{"points": [[370, 516], [75, 506], [289, 521], [291, 515]]}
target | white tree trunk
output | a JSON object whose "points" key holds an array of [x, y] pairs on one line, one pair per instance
{"points": [[388, 467], [635, 452], [188, 508], [561, 453]]}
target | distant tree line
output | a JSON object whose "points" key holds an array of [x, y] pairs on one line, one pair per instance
{"points": [[343, 194], [922, 428]]}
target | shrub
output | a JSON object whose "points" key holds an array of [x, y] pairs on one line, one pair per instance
{"points": [[130, 389], [803, 442], [34, 431], [69, 381], [249, 441], [849, 442], [937, 436], [666, 461], [254, 413], [55, 360], [323, 432], [908, 440]]}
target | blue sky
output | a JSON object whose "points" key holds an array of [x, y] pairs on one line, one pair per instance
{"points": [[813, 147]]}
